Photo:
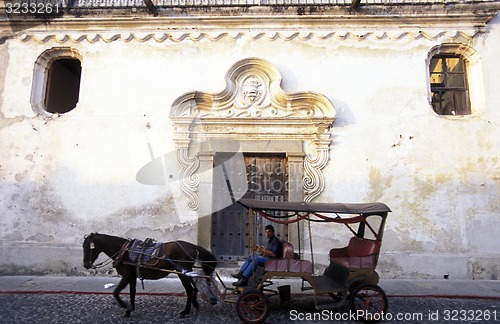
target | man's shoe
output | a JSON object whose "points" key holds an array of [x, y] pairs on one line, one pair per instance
{"points": [[238, 275], [241, 283]]}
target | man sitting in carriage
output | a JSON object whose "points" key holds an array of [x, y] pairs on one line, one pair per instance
{"points": [[259, 257]]}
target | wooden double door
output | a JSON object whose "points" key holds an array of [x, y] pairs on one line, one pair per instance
{"points": [[266, 178]]}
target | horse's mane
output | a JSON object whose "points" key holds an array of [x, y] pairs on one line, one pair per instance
{"points": [[112, 237]]}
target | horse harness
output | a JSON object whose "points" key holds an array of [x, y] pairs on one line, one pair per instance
{"points": [[147, 254]]}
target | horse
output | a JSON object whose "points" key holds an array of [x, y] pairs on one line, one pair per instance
{"points": [[179, 257]]}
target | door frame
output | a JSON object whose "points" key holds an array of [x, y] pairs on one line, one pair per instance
{"points": [[295, 159]]}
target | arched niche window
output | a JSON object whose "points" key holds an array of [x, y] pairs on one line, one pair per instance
{"points": [[56, 81], [451, 69]]}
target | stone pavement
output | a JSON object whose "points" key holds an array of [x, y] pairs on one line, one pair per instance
{"points": [[64, 299], [172, 285]]}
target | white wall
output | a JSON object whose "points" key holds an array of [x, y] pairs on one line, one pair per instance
{"points": [[66, 176]]}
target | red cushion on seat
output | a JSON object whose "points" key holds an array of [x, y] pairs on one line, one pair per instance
{"points": [[288, 265], [361, 247], [289, 262], [359, 254]]}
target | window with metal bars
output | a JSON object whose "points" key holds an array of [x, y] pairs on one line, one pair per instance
{"points": [[449, 88]]}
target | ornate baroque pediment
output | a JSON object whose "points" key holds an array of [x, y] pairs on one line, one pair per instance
{"points": [[253, 89], [253, 106]]}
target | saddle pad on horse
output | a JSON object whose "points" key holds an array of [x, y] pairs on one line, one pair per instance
{"points": [[143, 251]]}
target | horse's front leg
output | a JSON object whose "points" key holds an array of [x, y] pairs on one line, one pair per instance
{"points": [[116, 293], [188, 286]]}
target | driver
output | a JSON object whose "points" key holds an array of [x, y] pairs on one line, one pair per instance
{"points": [[260, 256]]}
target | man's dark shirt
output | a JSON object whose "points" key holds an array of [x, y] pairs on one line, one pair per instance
{"points": [[274, 245]]}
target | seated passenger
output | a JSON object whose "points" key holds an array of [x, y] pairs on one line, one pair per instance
{"points": [[260, 256]]}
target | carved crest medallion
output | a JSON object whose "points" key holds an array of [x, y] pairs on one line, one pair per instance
{"points": [[252, 90]]}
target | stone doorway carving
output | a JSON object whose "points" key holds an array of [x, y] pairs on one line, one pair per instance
{"points": [[252, 114]]}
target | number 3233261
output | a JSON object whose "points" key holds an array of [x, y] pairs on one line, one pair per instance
{"points": [[470, 315], [32, 8]]}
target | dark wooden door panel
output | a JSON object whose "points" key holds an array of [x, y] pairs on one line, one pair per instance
{"points": [[266, 180]]}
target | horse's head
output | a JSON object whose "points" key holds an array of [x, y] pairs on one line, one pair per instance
{"points": [[90, 251]]}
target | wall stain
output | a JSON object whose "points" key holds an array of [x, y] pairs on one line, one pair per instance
{"points": [[378, 184]]}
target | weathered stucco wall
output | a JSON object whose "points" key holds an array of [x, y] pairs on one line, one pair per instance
{"points": [[63, 177]]}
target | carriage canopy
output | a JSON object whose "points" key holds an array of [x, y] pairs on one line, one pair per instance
{"points": [[314, 208], [286, 212]]}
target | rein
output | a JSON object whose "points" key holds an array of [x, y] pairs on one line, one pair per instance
{"points": [[105, 262]]}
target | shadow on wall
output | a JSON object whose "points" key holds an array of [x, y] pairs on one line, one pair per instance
{"points": [[60, 210]]}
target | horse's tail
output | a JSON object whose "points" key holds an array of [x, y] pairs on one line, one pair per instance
{"points": [[207, 260]]}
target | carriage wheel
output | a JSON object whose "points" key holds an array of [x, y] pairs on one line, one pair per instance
{"points": [[369, 302], [253, 307]]}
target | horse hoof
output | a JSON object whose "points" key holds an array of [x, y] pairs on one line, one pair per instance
{"points": [[127, 313], [182, 315]]}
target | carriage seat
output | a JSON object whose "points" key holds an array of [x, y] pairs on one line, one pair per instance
{"points": [[359, 254], [290, 261]]}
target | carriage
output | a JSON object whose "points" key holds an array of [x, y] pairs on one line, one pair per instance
{"points": [[350, 279]]}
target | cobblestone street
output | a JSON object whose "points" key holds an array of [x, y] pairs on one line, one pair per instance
{"points": [[101, 308]]}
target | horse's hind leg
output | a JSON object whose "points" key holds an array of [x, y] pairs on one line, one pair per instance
{"points": [[195, 293], [188, 286]]}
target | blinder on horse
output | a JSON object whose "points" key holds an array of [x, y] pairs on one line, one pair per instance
{"points": [[87, 251], [89, 255]]}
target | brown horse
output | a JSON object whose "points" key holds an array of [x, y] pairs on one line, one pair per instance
{"points": [[178, 257]]}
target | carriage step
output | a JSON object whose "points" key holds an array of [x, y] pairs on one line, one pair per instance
{"points": [[332, 305], [329, 306]]}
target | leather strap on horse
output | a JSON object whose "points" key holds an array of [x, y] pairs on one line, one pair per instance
{"points": [[183, 249], [195, 258], [146, 242], [121, 253]]}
